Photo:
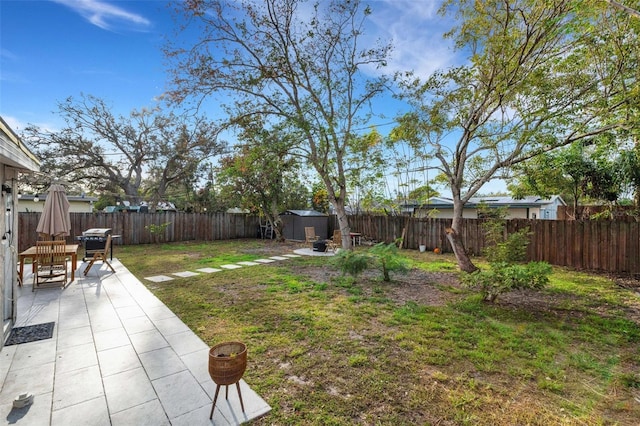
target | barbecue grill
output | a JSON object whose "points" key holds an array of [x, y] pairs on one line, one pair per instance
{"points": [[94, 240]]}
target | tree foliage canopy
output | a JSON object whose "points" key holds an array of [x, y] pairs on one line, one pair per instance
{"points": [[120, 155], [539, 74], [295, 64], [263, 174]]}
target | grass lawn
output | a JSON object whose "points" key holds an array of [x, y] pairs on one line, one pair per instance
{"points": [[419, 350]]}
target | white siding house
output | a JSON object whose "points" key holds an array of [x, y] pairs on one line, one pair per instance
{"points": [[77, 203], [531, 207]]}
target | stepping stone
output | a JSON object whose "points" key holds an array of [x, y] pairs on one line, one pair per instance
{"points": [[278, 258], [230, 266], [246, 263], [291, 255], [158, 278], [209, 270], [185, 274], [264, 260]]}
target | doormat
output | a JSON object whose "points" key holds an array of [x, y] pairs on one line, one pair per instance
{"points": [[30, 333]]}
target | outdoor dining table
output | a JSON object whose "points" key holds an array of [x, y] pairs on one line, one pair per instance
{"points": [[70, 250]]}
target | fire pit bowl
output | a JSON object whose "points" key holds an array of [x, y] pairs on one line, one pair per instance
{"points": [[227, 363]]}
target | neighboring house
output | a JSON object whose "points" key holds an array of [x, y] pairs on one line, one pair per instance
{"points": [[77, 203], [531, 207], [15, 157]]}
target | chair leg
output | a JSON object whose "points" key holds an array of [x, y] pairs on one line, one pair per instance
{"points": [[86, 270], [109, 265], [240, 396], [215, 398]]}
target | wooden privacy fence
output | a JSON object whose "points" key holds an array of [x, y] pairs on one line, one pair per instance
{"points": [[608, 246], [135, 228]]}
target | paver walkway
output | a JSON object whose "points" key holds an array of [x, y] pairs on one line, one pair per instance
{"points": [[231, 266]]}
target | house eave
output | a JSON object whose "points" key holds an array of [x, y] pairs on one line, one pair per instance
{"points": [[14, 153]]}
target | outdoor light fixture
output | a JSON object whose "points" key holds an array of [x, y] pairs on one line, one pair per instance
{"points": [[36, 199]]}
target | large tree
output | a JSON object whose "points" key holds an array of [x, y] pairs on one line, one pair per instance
{"points": [[577, 172], [295, 63], [264, 174], [118, 154], [537, 75]]}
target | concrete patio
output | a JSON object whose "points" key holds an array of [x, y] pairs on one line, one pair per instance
{"points": [[118, 356]]}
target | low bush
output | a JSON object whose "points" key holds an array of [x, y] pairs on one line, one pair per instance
{"points": [[502, 277], [505, 253], [351, 262], [381, 256], [387, 259]]}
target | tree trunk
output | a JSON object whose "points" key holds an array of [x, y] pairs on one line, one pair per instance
{"points": [[453, 235], [343, 223]]}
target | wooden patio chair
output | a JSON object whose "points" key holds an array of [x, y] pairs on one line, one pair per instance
{"points": [[310, 234], [102, 255], [335, 242], [50, 264]]}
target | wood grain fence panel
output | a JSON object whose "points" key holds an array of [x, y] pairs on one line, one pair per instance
{"points": [[603, 233], [625, 244], [589, 234], [532, 236], [615, 258], [578, 241], [634, 249], [541, 241], [564, 235]]}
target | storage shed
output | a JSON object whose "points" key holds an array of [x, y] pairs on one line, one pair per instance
{"points": [[295, 221]]}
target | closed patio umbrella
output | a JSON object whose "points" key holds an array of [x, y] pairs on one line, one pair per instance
{"points": [[55, 220]]}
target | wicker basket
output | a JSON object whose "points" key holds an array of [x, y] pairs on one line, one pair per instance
{"points": [[227, 362]]}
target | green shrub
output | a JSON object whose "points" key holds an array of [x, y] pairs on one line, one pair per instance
{"points": [[351, 262], [512, 249], [381, 256], [502, 277], [387, 259], [504, 252]]}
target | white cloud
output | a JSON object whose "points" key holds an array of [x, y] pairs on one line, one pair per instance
{"points": [[415, 30], [13, 123], [105, 15]]}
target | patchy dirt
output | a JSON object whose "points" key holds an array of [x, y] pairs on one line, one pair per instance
{"points": [[438, 288], [422, 287]]}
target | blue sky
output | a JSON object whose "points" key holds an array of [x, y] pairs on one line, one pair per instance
{"points": [[53, 49]]}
